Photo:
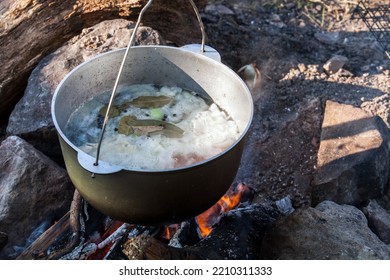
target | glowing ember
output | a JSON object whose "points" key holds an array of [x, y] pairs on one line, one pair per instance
{"points": [[210, 217], [169, 231], [108, 231]]}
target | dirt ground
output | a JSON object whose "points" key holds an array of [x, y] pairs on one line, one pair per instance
{"points": [[290, 41]]}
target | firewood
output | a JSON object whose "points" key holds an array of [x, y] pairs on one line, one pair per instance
{"points": [[30, 30], [81, 252], [38, 249], [75, 219], [68, 224], [75, 209], [145, 247], [121, 231]]}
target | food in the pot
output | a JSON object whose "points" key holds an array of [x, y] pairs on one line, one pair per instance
{"points": [[152, 128], [131, 125], [150, 102]]}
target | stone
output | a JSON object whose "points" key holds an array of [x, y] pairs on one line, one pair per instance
{"points": [[327, 232], [218, 9], [31, 119], [34, 190], [284, 205], [378, 219], [353, 157], [334, 64], [329, 38]]}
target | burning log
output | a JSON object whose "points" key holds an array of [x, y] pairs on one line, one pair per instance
{"points": [[121, 231], [186, 235], [236, 236], [111, 239], [239, 232], [95, 243], [232, 233], [229, 201]]}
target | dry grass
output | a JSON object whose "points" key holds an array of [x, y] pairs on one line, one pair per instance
{"points": [[321, 13]]}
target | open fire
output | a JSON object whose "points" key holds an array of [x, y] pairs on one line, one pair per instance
{"points": [[210, 217], [101, 243]]}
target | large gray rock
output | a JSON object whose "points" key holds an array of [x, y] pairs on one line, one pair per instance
{"points": [[328, 231], [31, 118], [353, 158], [33, 191], [378, 216]]}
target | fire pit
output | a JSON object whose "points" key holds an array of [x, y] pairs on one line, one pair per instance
{"points": [[85, 233]]}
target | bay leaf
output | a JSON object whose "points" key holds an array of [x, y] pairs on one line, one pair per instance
{"points": [[124, 125], [114, 112], [123, 106], [131, 125], [148, 102], [171, 130], [145, 130]]}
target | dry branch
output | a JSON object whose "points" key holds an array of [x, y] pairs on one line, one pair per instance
{"points": [[74, 222]]}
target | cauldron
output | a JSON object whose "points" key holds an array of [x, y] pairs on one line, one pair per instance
{"points": [[157, 196], [153, 197]]}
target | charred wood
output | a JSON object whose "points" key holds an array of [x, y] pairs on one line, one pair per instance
{"points": [[236, 236], [75, 226], [38, 249], [239, 232], [145, 247], [187, 235], [118, 234], [68, 227], [81, 252]]}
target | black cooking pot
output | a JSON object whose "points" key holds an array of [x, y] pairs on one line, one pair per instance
{"points": [[156, 196]]}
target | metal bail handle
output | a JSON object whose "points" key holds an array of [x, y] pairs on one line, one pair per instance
{"points": [[106, 117]]}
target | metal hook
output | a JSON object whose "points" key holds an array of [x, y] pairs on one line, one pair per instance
{"points": [[202, 50]]}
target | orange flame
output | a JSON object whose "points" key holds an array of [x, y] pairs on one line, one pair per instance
{"points": [[210, 217], [169, 231]]}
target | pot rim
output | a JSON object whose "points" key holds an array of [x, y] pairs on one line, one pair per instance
{"points": [[87, 161]]}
